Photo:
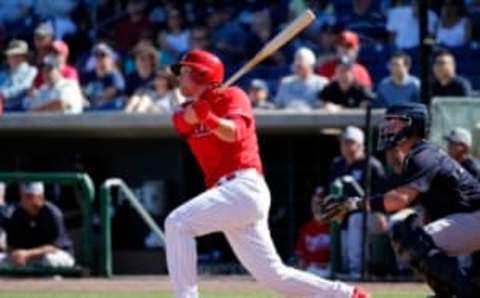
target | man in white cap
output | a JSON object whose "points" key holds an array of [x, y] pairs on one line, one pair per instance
{"points": [[300, 90], [19, 78], [459, 142], [58, 94], [36, 233], [351, 162]]}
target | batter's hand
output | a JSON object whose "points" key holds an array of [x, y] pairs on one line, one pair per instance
{"points": [[189, 115], [202, 109]]}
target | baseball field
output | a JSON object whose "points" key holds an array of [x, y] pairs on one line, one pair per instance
{"points": [[158, 287]]}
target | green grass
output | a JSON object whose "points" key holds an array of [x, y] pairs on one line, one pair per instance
{"points": [[158, 294]]}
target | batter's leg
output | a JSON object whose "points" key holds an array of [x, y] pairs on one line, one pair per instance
{"points": [[254, 248], [211, 211]]}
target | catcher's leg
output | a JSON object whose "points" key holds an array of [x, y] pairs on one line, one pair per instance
{"points": [[254, 248], [441, 271]]}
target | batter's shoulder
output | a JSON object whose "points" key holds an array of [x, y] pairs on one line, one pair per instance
{"points": [[235, 93]]}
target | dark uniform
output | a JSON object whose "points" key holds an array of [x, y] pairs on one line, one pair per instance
{"points": [[46, 228], [472, 166], [445, 187], [450, 196]]}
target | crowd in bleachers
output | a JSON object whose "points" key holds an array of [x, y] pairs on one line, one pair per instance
{"points": [[82, 55]]}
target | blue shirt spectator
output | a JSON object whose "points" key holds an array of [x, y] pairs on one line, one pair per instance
{"points": [[19, 78], [104, 87], [364, 20], [400, 86]]}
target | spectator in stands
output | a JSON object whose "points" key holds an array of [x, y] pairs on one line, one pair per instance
{"points": [[352, 162], [13, 10], [58, 15], [455, 28], [402, 23], [228, 36], [299, 91], [58, 94], [176, 38], [459, 146], [59, 49], [261, 32], [258, 92], [42, 41], [160, 96], [199, 38], [105, 85], [347, 48], [137, 26], [19, 78], [344, 91], [446, 82], [36, 233], [313, 244], [146, 62], [400, 86], [364, 20]]}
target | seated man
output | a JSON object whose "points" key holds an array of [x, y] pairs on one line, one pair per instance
{"points": [[57, 94], [36, 233], [299, 91], [344, 91], [19, 77], [459, 148], [352, 162], [259, 93]]}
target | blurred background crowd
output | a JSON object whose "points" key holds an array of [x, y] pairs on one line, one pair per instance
{"points": [[82, 55]]}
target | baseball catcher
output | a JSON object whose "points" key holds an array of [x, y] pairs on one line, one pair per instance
{"points": [[448, 193]]}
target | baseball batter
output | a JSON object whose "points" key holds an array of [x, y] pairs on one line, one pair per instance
{"points": [[219, 127]]}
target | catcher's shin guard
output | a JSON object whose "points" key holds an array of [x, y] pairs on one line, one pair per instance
{"points": [[441, 271]]}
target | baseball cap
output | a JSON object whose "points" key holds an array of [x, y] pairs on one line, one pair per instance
{"points": [[306, 55], [60, 47], [34, 188], [349, 39], [460, 135], [103, 48], [259, 84], [353, 133], [16, 47], [44, 29]]}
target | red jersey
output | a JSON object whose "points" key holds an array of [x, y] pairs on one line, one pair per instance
{"points": [[216, 157], [68, 72], [313, 245], [359, 72]]}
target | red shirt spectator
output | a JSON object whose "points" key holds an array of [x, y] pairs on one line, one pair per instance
{"points": [[313, 245], [360, 73], [61, 50], [348, 46], [137, 26]]}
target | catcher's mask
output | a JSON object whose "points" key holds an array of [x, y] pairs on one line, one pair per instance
{"points": [[401, 122]]}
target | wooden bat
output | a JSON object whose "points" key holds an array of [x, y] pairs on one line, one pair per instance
{"points": [[295, 27]]}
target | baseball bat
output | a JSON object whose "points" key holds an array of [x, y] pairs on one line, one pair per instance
{"points": [[295, 27]]}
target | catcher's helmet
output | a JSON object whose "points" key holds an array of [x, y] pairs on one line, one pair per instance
{"points": [[414, 115], [207, 68]]}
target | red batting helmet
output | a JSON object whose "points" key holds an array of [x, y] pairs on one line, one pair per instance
{"points": [[207, 67]]}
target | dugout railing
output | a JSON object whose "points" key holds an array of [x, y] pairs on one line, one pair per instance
{"points": [[87, 189], [106, 198]]}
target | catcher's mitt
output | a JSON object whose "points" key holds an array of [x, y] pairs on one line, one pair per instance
{"points": [[334, 207]]}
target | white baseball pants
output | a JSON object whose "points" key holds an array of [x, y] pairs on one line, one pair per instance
{"points": [[238, 208]]}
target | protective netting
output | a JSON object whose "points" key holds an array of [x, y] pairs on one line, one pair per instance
{"points": [[450, 112]]}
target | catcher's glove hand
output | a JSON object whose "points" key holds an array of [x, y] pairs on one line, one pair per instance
{"points": [[335, 207]]}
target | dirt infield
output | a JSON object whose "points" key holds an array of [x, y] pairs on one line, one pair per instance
{"points": [[242, 284]]}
